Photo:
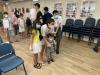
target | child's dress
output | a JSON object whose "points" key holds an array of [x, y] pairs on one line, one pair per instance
{"points": [[21, 25], [36, 42]]}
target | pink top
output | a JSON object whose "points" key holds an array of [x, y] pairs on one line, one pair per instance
{"points": [[14, 20]]}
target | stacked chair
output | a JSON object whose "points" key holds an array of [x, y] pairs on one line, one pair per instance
{"points": [[67, 26], [8, 59], [96, 31], [76, 28], [87, 29]]}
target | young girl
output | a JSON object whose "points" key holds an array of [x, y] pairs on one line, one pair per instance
{"points": [[35, 46], [21, 26]]}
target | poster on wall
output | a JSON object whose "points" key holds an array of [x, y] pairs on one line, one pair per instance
{"points": [[58, 6], [71, 9], [88, 7]]}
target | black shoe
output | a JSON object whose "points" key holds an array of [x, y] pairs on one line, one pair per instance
{"points": [[57, 52], [52, 60], [95, 50]]}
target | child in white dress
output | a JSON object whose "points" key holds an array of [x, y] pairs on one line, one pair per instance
{"points": [[35, 46], [21, 23]]}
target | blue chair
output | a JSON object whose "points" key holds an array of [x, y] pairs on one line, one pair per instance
{"points": [[96, 31], [1, 41], [76, 28], [8, 59], [68, 24], [88, 28]]}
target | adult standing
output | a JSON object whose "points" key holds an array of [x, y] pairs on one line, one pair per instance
{"points": [[33, 14], [47, 15], [58, 29], [28, 21]]}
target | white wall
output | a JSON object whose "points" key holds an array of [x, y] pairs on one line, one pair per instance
{"points": [[50, 4]]}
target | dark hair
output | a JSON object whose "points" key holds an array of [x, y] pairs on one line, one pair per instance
{"points": [[5, 13], [21, 14], [37, 4], [46, 9], [49, 21], [55, 11], [27, 10]]}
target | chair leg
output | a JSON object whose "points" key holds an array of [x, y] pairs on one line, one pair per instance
{"points": [[16, 68], [24, 69], [0, 73], [72, 36], [69, 35]]}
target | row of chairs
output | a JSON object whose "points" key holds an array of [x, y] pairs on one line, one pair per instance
{"points": [[8, 58], [90, 28]]}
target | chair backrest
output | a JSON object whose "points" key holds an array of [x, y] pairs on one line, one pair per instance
{"points": [[6, 49], [90, 22], [1, 41], [78, 22], [98, 24], [69, 22]]}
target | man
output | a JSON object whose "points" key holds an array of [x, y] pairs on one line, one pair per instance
{"points": [[33, 13], [97, 45], [46, 15], [39, 13], [58, 29], [45, 31]]}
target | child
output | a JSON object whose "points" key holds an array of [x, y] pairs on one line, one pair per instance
{"points": [[35, 45], [21, 23], [48, 41], [8, 28]]}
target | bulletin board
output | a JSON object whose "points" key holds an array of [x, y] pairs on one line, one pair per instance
{"points": [[88, 8], [71, 9], [58, 6]]}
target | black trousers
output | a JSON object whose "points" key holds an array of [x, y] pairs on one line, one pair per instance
{"points": [[58, 39], [98, 44], [16, 28]]}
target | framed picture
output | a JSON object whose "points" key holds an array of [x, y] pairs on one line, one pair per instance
{"points": [[88, 8], [58, 6], [71, 9]]}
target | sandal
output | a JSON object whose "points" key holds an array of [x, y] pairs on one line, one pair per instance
{"points": [[49, 62], [35, 66], [39, 65]]}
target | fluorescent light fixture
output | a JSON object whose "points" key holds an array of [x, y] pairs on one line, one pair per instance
{"points": [[35, 0]]}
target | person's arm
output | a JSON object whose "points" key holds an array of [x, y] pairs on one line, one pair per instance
{"points": [[31, 40], [57, 28], [43, 31], [46, 42]]}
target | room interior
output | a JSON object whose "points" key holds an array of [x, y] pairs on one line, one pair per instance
{"points": [[75, 58]]}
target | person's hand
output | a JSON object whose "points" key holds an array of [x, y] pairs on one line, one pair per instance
{"points": [[49, 45], [30, 48]]}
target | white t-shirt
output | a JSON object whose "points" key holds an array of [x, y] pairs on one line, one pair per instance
{"points": [[33, 13], [58, 20], [44, 30], [7, 24]]}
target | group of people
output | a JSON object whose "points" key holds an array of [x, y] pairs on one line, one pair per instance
{"points": [[44, 30]]}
